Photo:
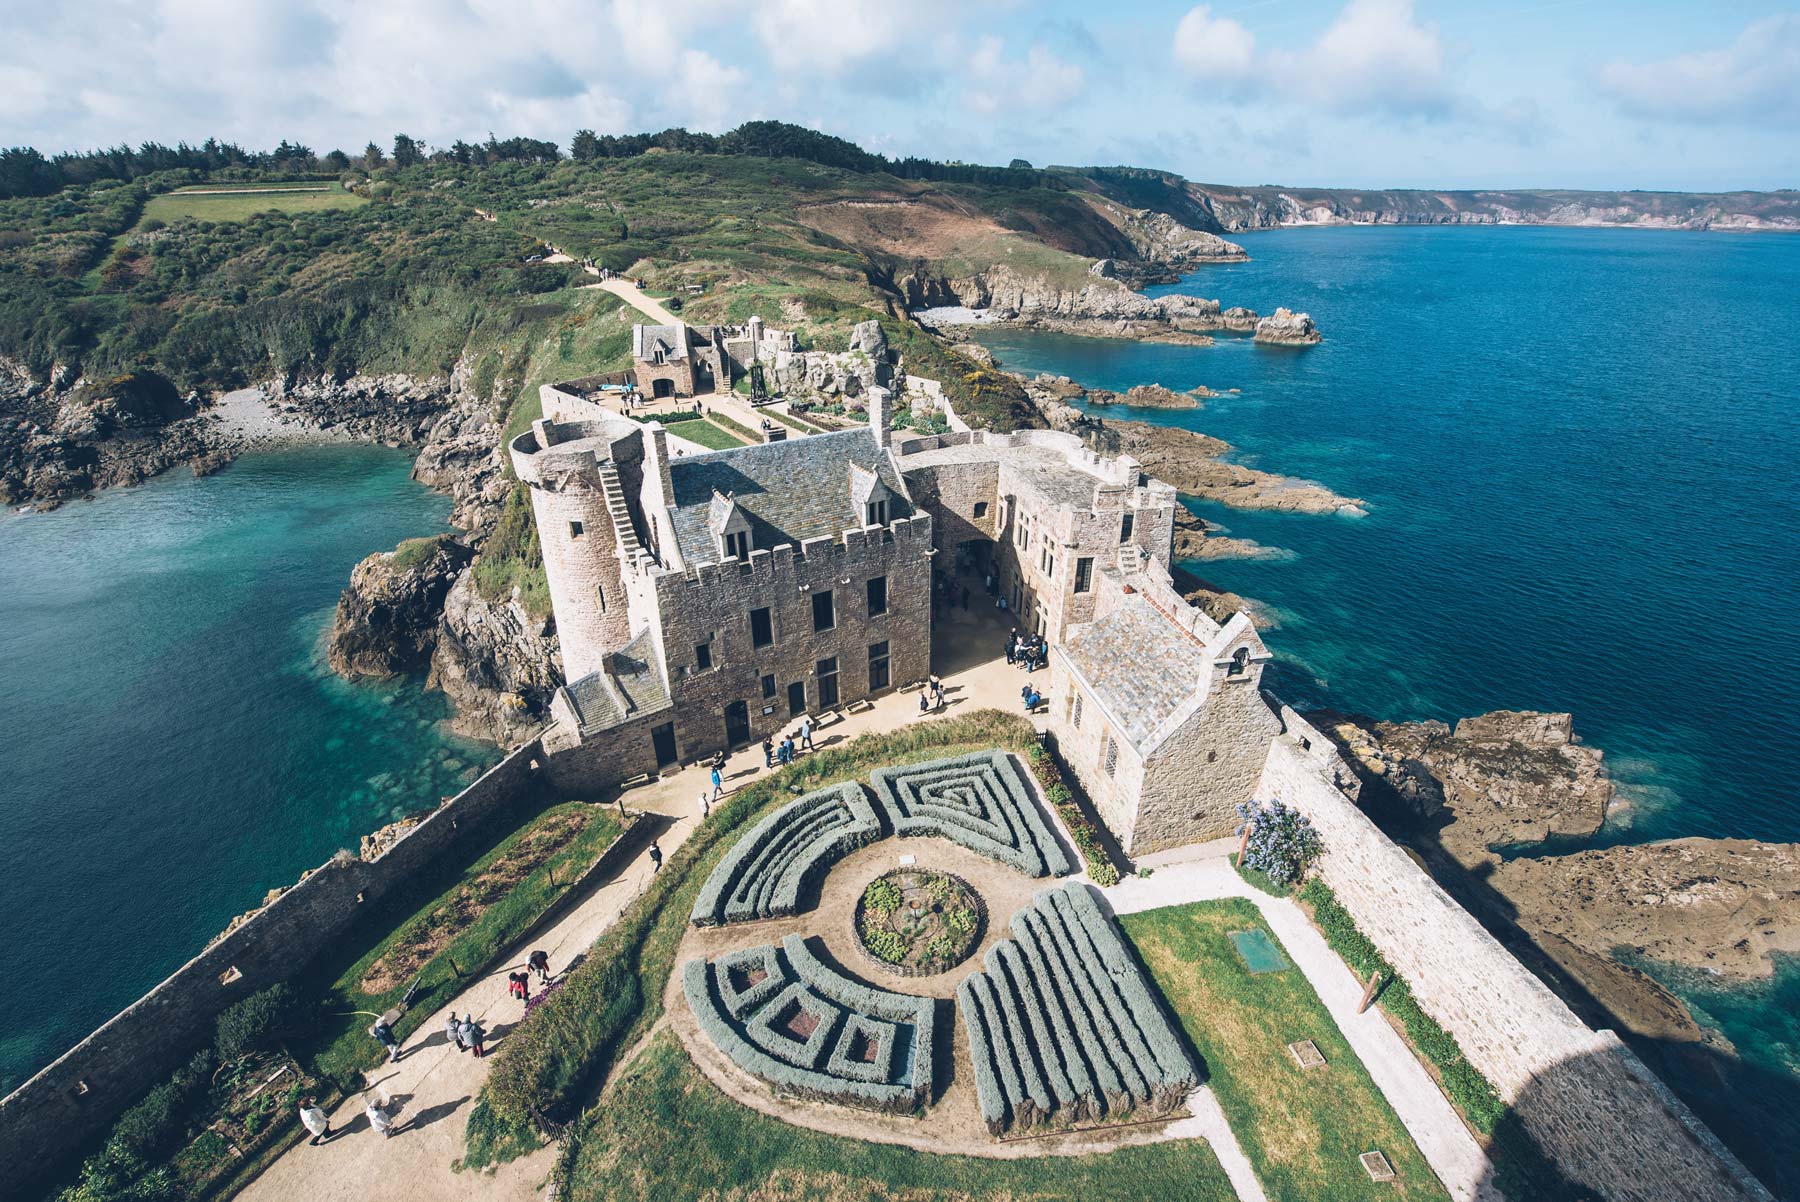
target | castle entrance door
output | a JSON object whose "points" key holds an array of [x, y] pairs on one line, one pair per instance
{"points": [[796, 699], [662, 388], [737, 723]]}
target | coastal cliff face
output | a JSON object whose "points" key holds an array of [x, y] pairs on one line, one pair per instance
{"points": [[1237, 210], [387, 620], [498, 667], [1515, 779]]}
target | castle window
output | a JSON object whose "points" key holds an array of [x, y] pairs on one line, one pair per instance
{"points": [[762, 630], [1240, 662], [574, 529], [824, 615], [981, 509], [703, 656], [600, 590], [876, 513], [737, 545], [878, 667], [1075, 712], [1125, 529], [768, 685], [1112, 755], [877, 596], [828, 682], [1084, 573]]}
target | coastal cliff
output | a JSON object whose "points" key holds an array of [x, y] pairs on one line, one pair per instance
{"points": [[498, 666], [387, 620]]}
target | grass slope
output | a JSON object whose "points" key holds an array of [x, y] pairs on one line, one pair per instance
{"points": [[666, 1133], [221, 205], [1301, 1128]]}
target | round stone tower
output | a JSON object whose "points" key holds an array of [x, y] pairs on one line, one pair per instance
{"points": [[575, 495]]}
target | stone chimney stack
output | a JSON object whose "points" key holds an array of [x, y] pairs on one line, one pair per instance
{"points": [[879, 415], [754, 329]]}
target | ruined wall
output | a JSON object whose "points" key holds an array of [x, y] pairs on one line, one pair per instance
{"points": [[72, 1100], [1587, 1099]]}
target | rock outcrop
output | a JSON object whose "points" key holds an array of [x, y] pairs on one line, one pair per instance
{"points": [[1159, 238], [1287, 328], [497, 665], [387, 620], [1147, 396]]}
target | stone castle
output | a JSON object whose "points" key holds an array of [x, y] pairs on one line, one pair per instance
{"points": [[707, 601]]}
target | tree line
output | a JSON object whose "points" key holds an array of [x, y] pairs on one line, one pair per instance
{"points": [[24, 171]]}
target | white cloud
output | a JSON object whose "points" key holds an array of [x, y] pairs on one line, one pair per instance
{"points": [[1756, 77], [1374, 56], [837, 38], [1039, 82], [1214, 48]]}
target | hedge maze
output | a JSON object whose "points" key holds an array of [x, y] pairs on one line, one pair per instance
{"points": [[979, 801], [787, 1019], [1064, 1028], [768, 870]]}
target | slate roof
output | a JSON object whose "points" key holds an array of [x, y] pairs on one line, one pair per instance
{"points": [[645, 337], [796, 489], [1140, 665], [628, 687]]}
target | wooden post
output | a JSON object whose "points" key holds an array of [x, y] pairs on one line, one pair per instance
{"points": [[1369, 991], [1244, 843]]}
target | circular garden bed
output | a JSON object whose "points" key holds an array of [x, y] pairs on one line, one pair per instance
{"points": [[918, 922]]}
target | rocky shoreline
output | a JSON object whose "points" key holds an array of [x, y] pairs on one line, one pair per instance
{"points": [[1477, 802]]}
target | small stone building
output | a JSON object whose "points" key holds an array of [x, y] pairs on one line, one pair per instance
{"points": [[683, 361]]}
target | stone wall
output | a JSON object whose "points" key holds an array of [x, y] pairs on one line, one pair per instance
{"points": [[1590, 1103], [75, 1098]]}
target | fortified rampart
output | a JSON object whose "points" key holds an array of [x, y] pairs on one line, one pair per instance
{"points": [[1585, 1097], [73, 1099]]}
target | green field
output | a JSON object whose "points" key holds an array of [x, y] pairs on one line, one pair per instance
{"points": [[706, 433], [219, 204], [1302, 1129]]}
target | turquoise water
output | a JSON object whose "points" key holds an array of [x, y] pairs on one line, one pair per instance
{"points": [[175, 745], [1581, 455]]}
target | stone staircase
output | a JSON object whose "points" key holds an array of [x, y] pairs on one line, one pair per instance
{"points": [[614, 489]]}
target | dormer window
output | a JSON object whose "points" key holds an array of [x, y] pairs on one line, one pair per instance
{"points": [[876, 513], [1240, 662], [737, 545]]}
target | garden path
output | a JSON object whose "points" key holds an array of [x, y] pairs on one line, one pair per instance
{"points": [[634, 296], [1203, 872], [438, 1084]]}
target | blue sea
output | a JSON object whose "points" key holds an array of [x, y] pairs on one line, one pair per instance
{"points": [[1580, 452], [175, 745]]}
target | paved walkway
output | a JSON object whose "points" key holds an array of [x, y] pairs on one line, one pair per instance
{"points": [[1203, 872], [634, 296], [431, 1088]]}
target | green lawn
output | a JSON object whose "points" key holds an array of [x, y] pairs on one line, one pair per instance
{"points": [[1301, 1128], [713, 436], [666, 1133], [214, 205]]}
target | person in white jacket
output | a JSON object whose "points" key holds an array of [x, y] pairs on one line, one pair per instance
{"points": [[314, 1120], [378, 1119]]}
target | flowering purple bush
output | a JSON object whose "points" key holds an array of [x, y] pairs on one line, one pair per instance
{"points": [[1283, 843]]}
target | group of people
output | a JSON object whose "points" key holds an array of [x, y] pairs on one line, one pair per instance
{"points": [[318, 1123], [931, 695], [777, 755], [518, 984], [1029, 650]]}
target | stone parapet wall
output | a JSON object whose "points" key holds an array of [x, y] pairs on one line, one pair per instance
{"points": [[1585, 1097], [74, 1099]]}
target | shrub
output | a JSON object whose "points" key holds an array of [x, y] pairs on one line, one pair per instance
{"points": [[882, 897], [886, 944], [1283, 844], [251, 1024]]}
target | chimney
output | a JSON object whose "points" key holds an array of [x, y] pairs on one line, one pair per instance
{"points": [[657, 479], [879, 415]]}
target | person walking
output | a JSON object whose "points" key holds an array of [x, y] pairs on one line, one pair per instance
{"points": [[538, 962], [378, 1119], [718, 783], [924, 700], [655, 857], [518, 984], [473, 1035], [806, 729], [1012, 646], [453, 1030], [787, 749], [1032, 700], [705, 807], [384, 1035], [768, 752], [314, 1120]]}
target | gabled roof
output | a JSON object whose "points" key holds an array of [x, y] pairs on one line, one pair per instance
{"points": [[1139, 665], [629, 686], [788, 491], [672, 339]]}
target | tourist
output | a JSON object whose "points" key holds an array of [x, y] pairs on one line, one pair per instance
{"points": [[1032, 700], [473, 1035], [540, 964], [384, 1035], [705, 807], [1012, 646], [787, 750], [453, 1029], [1025, 695], [924, 704], [314, 1120], [655, 857], [518, 984], [806, 729], [768, 753], [378, 1119], [718, 783]]}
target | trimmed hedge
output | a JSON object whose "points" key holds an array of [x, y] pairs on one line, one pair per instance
{"points": [[767, 872], [1100, 868], [821, 1068], [988, 809], [1063, 1027]]}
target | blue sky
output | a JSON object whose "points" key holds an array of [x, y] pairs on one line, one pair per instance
{"points": [[1361, 93]]}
